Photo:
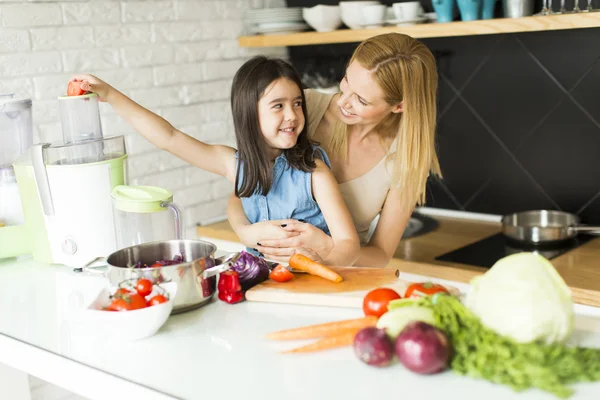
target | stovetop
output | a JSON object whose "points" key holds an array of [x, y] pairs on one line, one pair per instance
{"points": [[485, 252]]}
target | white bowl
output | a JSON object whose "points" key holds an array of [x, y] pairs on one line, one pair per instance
{"points": [[351, 12], [323, 18], [127, 325]]}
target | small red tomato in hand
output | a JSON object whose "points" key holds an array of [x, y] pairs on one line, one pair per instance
{"points": [[74, 89], [377, 300], [156, 300], [127, 302], [143, 287], [281, 274]]}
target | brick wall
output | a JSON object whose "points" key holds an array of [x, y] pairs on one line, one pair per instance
{"points": [[175, 57]]}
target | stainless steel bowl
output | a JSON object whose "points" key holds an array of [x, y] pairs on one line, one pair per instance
{"points": [[195, 276]]}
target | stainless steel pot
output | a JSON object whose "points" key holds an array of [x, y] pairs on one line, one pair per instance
{"points": [[544, 226], [195, 276]]}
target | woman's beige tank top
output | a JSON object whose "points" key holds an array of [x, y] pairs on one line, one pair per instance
{"points": [[365, 195]]}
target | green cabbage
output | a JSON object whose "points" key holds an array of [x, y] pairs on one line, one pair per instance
{"points": [[524, 298]]}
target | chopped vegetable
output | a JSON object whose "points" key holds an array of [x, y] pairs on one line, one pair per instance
{"points": [[523, 297], [376, 301], [178, 259], [320, 330], [373, 347], [422, 348], [394, 321], [230, 289], [281, 274], [303, 263], [330, 342], [479, 352], [252, 270], [421, 289]]}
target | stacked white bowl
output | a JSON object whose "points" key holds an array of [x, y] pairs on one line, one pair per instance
{"points": [[275, 20], [351, 12], [323, 18]]}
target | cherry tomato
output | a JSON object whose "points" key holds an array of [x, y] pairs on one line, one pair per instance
{"points": [[158, 299], [127, 302], [121, 292], [376, 301], [422, 289], [74, 89], [281, 274], [143, 287]]}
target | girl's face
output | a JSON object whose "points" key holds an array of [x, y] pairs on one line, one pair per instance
{"points": [[280, 115], [361, 100]]}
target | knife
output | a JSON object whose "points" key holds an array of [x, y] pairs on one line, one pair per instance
{"points": [[273, 264]]}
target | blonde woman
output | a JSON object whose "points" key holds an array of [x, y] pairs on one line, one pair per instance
{"points": [[379, 133]]}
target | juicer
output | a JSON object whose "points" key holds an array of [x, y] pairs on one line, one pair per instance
{"points": [[16, 136], [65, 189]]}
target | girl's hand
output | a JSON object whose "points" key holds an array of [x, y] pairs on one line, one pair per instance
{"points": [[90, 83], [307, 237], [252, 235]]}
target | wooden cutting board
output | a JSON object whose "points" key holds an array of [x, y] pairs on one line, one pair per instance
{"points": [[311, 290]]}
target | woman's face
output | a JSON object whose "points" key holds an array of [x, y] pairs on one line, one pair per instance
{"points": [[362, 100], [280, 114]]}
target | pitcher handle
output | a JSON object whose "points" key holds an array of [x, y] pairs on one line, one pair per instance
{"points": [[178, 214]]}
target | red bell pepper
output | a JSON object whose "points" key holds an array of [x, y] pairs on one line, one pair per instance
{"points": [[230, 289]]}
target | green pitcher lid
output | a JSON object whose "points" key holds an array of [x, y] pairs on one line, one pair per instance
{"points": [[141, 199]]}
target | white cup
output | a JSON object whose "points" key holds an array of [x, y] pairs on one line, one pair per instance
{"points": [[373, 15], [408, 11]]}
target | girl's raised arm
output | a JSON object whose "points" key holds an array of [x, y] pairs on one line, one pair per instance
{"points": [[217, 159], [346, 245]]}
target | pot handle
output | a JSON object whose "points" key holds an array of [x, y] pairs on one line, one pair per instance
{"points": [[90, 268], [593, 230], [224, 263]]}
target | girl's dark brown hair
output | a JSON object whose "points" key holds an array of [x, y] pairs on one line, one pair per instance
{"points": [[249, 85]]}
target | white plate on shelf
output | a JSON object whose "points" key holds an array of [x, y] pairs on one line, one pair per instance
{"points": [[399, 22], [280, 30]]}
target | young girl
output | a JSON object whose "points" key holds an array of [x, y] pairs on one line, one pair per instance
{"points": [[277, 172]]}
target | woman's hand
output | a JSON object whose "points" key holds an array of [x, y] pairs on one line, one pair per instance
{"points": [[252, 235], [90, 83], [306, 238]]}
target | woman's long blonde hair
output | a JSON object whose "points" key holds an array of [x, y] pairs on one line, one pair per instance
{"points": [[405, 70]]}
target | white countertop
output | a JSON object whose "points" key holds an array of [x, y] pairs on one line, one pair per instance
{"points": [[217, 350]]}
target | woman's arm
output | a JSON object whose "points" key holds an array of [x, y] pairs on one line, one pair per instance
{"points": [[377, 253], [390, 227], [326, 192], [158, 131]]}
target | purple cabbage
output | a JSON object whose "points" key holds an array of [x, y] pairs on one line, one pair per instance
{"points": [[252, 270]]}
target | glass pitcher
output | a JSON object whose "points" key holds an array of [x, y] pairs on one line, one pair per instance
{"points": [[145, 214]]}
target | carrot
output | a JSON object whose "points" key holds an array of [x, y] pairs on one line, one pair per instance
{"points": [[303, 263], [330, 342], [326, 329]]}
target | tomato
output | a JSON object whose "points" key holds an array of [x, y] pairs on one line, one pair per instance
{"points": [[281, 274], [121, 292], [74, 89], [128, 302], [422, 289], [156, 265], [158, 299], [143, 287], [376, 301]]}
